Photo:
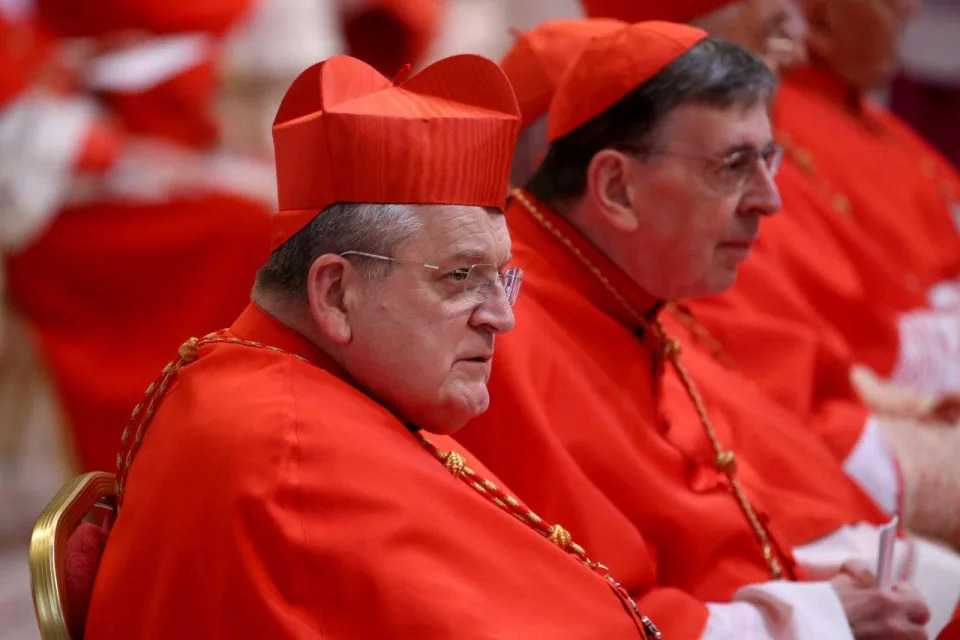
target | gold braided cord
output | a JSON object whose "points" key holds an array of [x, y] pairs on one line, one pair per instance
{"points": [[725, 462], [724, 459], [703, 336], [455, 463], [555, 533], [560, 536], [154, 394]]}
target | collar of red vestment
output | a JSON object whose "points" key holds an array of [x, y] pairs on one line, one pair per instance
{"points": [[544, 237], [256, 325]]}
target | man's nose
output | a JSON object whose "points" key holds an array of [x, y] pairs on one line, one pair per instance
{"points": [[495, 312], [762, 195]]}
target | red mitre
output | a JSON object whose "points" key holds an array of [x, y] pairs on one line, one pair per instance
{"points": [[539, 57], [640, 10], [344, 133], [612, 66]]}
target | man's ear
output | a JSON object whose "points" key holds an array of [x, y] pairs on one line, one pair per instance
{"points": [[609, 188], [328, 283]]}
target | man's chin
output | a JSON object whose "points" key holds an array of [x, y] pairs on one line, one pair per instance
{"points": [[715, 285], [476, 403], [457, 412], [472, 403]]}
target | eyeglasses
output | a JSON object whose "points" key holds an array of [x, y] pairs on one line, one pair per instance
{"points": [[478, 279], [732, 171]]}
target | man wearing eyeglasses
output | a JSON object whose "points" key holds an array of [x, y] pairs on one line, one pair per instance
{"points": [[659, 172], [821, 290], [292, 476]]}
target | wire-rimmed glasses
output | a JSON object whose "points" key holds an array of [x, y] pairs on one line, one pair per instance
{"points": [[478, 279], [732, 170]]}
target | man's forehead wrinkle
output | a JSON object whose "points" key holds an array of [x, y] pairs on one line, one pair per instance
{"points": [[466, 238], [467, 254], [442, 228], [458, 234], [468, 251]]}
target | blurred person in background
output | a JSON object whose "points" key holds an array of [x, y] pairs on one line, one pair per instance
{"points": [[130, 227], [901, 192], [33, 89]]}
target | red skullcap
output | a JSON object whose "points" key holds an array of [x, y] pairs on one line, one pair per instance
{"points": [[612, 66]]}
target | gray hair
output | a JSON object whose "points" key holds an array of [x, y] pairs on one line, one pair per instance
{"points": [[343, 226]]}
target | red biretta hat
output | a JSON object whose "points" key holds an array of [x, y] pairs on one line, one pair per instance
{"points": [[344, 133], [640, 10], [539, 57], [611, 66]]}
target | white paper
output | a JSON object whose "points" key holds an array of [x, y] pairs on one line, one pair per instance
{"points": [[888, 538]]}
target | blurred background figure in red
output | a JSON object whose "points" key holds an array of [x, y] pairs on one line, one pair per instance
{"points": [[125, 225], [145, 227]]}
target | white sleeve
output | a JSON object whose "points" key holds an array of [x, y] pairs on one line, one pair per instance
{"points": [[40, 137], [873, 466], [779, 611]]}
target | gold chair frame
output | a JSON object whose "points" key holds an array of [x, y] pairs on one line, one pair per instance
{"points": [[48, 546]]}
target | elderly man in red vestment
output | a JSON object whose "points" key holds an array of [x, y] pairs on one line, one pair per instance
{"points": [[301, 459], [844, 299], [679, 453]]}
